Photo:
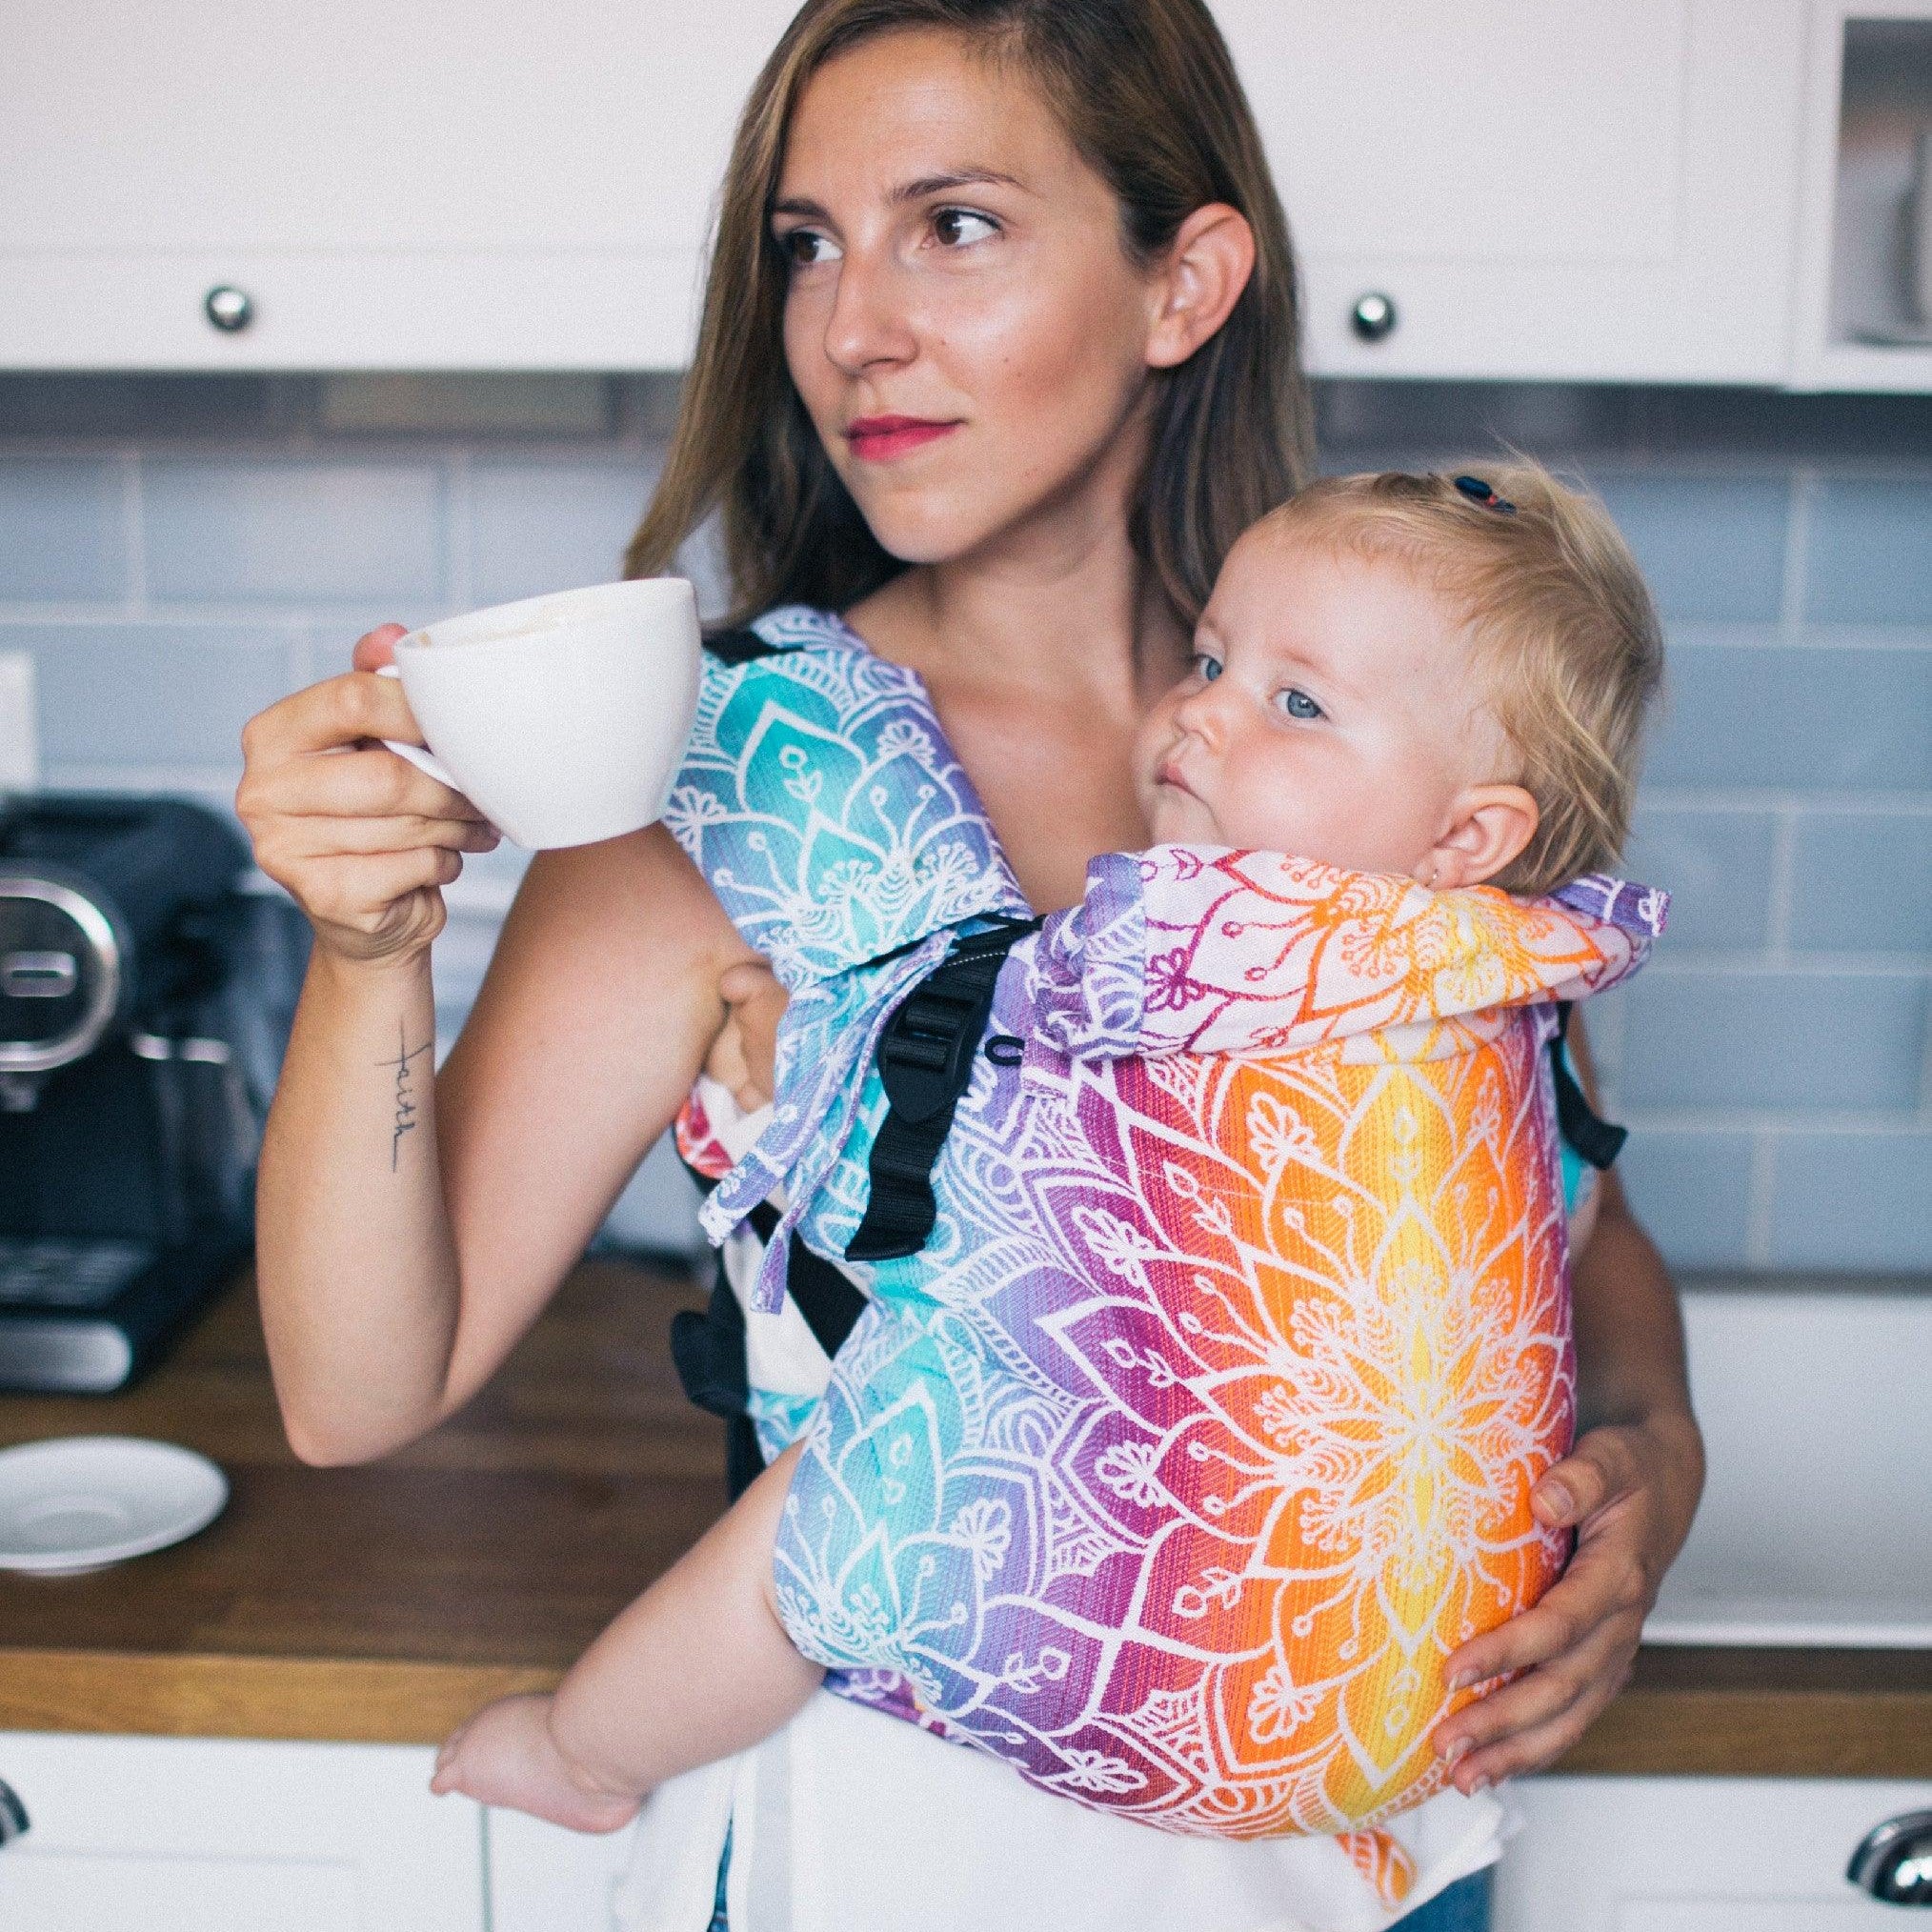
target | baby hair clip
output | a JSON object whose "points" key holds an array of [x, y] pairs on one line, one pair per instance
{"points": [[1478, 492]]}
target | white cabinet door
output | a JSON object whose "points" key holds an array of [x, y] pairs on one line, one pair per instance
{"points": [[392, 183], [188, 1834], [544, 1879], [1693, 1855], [1543, 188]]}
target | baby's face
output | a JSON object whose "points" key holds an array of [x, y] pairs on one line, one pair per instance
{"points": [[1332, 713]]}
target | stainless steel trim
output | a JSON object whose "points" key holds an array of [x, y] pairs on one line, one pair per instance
{"points": [[79, 1355], [38, 975], [17, 1057]]}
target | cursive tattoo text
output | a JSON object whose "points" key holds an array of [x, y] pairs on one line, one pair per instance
{"points": [[405, 1091]]}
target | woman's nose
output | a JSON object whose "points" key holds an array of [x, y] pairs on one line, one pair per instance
{"points": [[867, 324]]}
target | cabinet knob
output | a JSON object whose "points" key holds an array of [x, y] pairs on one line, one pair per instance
{"points": [[12, 1815], [229, 308], [1373, 316], [1895, 1862]]}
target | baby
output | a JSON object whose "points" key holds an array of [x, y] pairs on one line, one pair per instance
{"points": [[1203, 1427]]}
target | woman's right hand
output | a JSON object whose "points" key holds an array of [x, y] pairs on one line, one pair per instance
{"points": [[362, 840]]}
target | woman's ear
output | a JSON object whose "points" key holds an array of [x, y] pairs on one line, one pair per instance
{"points": [[1488, 826], [1206, 268]]}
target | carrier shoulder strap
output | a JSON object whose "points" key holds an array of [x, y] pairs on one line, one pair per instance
{"points": [[925, 1062], [1580, 1124], [738, 647]]}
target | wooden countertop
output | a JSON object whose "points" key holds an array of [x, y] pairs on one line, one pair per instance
{"points": [[384, 1603]]}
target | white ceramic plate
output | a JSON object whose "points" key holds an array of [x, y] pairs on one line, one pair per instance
{"points": [[81, 1502]]}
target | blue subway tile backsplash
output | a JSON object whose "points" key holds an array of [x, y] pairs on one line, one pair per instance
{"points": [[1867, 883], [157, 695], [537, 527], [63, 530], [1799, 1042], [1718, 867], [1695, 1194], [177, 552], [1712, 547], [1871, 552], [1794, 718], [294, 531], [1851, 1202]]}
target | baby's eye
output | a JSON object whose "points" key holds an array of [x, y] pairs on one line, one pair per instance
{"points": [[1205, 668], [959, 226], [1298, 704], [805, 247]]}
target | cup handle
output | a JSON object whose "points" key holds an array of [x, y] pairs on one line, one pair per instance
{"points": [[422, 761]]}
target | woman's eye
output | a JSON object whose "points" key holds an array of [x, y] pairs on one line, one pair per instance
{"points": [[805, 247], [957, 226], [1298, 704], [1205, 668]]}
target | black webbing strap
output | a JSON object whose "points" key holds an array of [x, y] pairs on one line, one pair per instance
{"points": [[925, 1062], [1579, 1122], [708, 1346], [738, 647]]}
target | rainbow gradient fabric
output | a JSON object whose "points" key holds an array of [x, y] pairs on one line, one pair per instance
{"points": [[1202, 1430]]}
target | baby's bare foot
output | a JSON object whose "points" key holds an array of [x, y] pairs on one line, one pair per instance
{"points": [[505, 1755]]}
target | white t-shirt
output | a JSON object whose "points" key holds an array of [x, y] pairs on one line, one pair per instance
{"points": [[852, 1820]]}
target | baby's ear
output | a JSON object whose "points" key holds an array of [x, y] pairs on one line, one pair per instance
{"points": [[1488, 826]]}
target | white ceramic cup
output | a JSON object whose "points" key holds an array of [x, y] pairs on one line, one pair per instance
{"points": [[562, 718]]}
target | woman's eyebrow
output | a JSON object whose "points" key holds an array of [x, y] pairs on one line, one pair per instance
{"points": [[805, 208], [956, 177]]}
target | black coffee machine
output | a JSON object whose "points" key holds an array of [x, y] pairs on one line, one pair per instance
{"points": [[145, 1003]]}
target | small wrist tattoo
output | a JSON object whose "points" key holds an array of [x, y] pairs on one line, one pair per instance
{"points": [[405, 1091]]}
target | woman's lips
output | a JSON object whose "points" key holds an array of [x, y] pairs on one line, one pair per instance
{"points": [[877, 439]]}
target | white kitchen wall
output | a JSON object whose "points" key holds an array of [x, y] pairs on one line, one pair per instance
{"points": [[176, 552]]}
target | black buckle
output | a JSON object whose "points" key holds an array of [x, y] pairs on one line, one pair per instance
{"points": [[925, 1062]]}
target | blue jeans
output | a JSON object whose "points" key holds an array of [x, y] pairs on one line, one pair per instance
{"points": [[1464, 1908]]}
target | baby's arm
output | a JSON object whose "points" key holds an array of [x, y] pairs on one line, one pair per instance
{"points": [[699, 1666]]}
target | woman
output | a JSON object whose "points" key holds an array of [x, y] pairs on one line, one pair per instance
{"points": [[997, 357]]}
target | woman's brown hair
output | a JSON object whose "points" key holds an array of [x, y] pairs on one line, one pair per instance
{"points": [[1148, 94]]}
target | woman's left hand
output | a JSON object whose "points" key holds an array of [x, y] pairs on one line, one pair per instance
{"points": [[1629, 1491]]}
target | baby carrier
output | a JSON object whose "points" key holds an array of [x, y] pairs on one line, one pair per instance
{"points": [[1173, 1461]]}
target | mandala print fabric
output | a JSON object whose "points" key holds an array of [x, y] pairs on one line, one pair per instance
{"points": [[1203, 1428]]}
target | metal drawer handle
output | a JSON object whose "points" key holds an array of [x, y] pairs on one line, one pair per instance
{"points": [[1895, 1862], [12, 1815]]}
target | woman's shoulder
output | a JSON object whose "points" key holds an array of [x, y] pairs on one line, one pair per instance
{"points": [[821, 799]]}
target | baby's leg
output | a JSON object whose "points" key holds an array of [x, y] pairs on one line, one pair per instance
{"points": [[699, 1666]]}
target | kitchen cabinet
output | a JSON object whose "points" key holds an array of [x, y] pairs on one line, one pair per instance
{"points": [[1864, 272], [1533, 190], [198, 1835], [404, 183], [544, 1879], [1694, 1854], [1537, 189]]}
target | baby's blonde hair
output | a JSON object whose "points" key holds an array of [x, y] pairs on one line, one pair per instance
{"points": [[1558, 616]]}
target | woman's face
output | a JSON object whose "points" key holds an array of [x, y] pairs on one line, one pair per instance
{"points": [[963, 320]]}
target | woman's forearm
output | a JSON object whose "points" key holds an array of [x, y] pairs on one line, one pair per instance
{"points": [[1630, 1345], [354, 1259], [413, 1223]]}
